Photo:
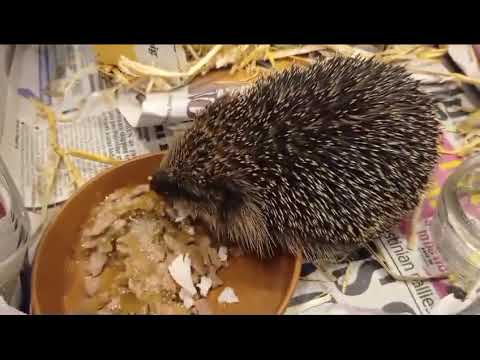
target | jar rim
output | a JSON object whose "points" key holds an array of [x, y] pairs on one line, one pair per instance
{"points": [[450, 200], [13, 202]]}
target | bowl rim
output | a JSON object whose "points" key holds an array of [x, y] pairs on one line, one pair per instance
{"points": [[34, 305]]}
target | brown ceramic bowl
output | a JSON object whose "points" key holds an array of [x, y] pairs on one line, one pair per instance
{"points": [[263, 287]]}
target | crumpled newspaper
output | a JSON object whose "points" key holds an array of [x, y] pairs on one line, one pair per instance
{"points": [[449, 305], [6, 309], [341, 309]]}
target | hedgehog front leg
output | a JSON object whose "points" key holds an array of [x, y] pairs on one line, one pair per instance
{"points": [[412, 229], [338, 254]]}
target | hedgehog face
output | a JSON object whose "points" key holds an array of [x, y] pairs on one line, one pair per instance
{"points": [[216, 204], [185, 179], [178, 186]]}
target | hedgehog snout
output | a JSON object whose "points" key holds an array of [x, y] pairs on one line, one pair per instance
{"points": [[164, 183], [175, 186]]}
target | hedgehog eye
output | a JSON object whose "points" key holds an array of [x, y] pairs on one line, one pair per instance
{"points": [[226, 196]]}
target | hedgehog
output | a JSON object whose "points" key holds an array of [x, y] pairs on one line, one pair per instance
{"points": [[313, 161]]}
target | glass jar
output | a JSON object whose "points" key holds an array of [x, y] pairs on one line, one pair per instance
{"points": [[456, 224], [14, 235]]}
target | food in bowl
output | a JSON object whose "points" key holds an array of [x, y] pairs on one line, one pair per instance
{"points": [[138, 255]]}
